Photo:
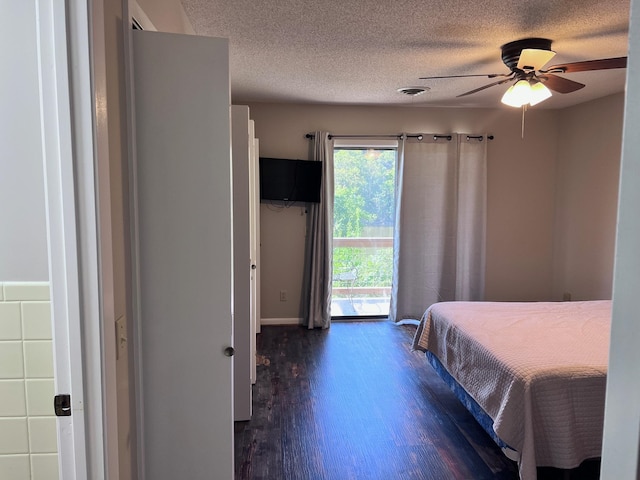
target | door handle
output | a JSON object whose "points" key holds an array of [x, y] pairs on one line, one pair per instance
{"points": [[229, 351]]}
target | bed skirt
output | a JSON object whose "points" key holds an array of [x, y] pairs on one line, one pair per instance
{"points": [[476, 410]]}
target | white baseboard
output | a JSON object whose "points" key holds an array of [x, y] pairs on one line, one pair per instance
{"points": [[280, 321]]}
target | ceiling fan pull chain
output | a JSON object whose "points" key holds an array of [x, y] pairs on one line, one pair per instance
{"points": [[524, 109]]}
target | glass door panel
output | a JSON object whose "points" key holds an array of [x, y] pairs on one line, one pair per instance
{"points": [[363, 231]]}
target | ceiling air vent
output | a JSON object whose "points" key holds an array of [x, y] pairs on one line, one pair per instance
{"points": [[413, 91]]}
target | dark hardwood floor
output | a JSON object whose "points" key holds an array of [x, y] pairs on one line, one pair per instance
{"points": [[354, 402]]}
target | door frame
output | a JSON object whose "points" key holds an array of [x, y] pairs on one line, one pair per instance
{"points": [[621, 437], [67, 129]]}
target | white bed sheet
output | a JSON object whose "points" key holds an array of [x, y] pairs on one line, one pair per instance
{"points": [[538, 369]]}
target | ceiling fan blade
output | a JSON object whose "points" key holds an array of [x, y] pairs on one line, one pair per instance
{"points": [[559, 84], [534, 58], [488, 75], [499, 82], [588, 65]]}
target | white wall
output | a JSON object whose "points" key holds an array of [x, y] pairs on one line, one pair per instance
{"points": [[28, 442], [552, 196], [521, 188], [586, 198], [166, 15], [23, 242]]}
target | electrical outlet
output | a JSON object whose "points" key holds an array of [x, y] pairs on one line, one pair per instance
{"points": [[283, 295]]}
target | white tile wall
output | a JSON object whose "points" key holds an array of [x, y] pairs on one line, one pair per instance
{"points": [[39, 395], [28, 440], [15, 466], [14, 438], [13, 401], [11, 360], [10, 321], [28, 291], [38, 358], [44, 466], [42, 435], [36, 320]]}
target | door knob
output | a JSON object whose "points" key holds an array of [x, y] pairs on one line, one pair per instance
{"points": [[229, 351]]}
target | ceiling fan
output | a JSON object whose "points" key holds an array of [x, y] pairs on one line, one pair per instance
{"points": [[525, 59]]}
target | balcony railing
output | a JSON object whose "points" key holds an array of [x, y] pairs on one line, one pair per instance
{"points": [[366, 242], [362, 275]]}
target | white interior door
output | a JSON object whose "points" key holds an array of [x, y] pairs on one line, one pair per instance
{"points": [[183, 183], [242, 393], [256, 226], [253, 245]]}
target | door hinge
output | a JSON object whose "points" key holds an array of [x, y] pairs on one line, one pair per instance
{"points": [[62, 405]]}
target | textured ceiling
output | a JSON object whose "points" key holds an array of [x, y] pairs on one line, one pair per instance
{"points": [[359, 52]]}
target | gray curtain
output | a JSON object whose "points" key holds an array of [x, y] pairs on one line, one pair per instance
{"points": [[439, 236], [319, 241]]}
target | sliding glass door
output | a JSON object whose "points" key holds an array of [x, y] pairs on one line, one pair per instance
{"points": [[363, 229]]}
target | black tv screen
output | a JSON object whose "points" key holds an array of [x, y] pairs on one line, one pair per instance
{"points": [[290, 180]]}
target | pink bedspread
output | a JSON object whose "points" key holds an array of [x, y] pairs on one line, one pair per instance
{"points": [[538, 369]]}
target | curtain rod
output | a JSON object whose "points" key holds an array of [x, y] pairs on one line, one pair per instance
{"points": [[398, 135], [419, 136]]}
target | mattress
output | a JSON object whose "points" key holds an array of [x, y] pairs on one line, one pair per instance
{"points": [[538, 370]]}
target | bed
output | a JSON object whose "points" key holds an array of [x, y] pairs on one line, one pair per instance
{"points": [[534, 372]]}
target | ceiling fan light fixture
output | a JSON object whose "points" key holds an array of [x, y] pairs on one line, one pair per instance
{"points": [[525, 92], [539, 93], [518, 94]]}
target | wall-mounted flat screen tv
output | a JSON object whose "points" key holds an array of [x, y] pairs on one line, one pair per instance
{"points": [[290, 180]]}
